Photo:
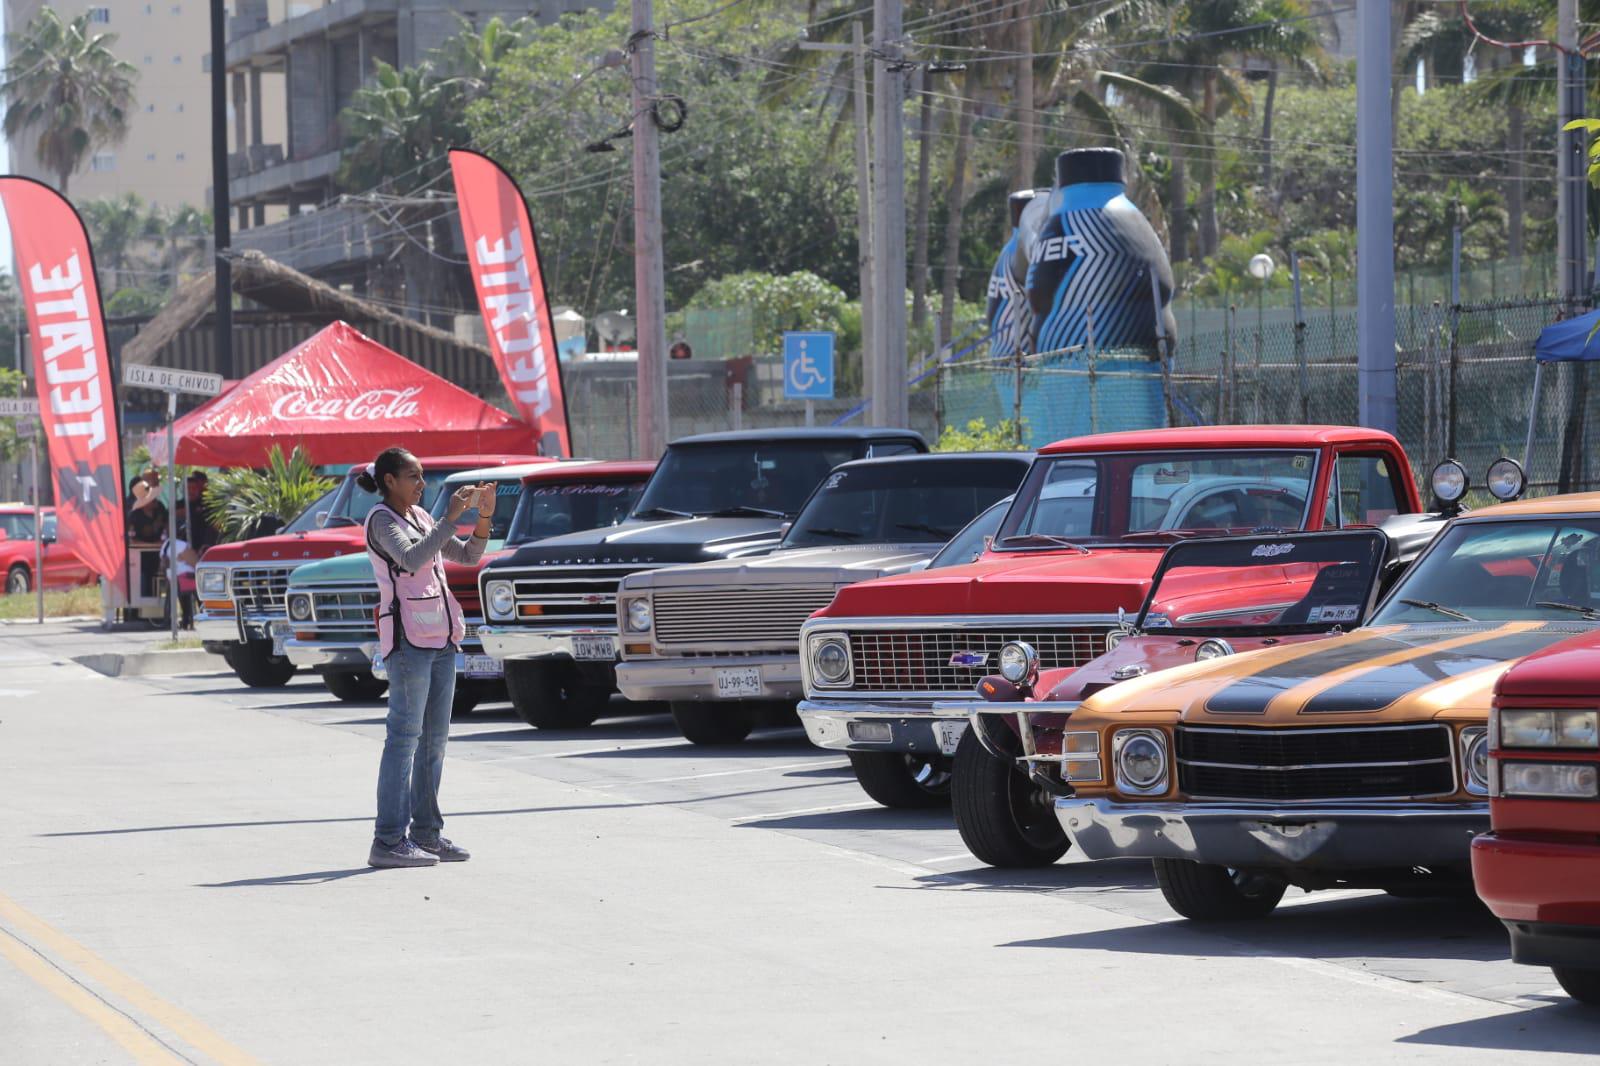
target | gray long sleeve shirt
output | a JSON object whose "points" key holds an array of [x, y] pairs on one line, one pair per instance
{"points": [[410, 550]]}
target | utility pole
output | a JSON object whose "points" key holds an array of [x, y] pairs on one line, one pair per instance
{"points": [[1375, 219], [1027, 142], [649, 272], [221, 223], [1571, 176], [869, 305], [889, 220]]}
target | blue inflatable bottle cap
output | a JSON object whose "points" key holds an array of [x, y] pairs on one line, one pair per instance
{"points": [[1081, 165]]}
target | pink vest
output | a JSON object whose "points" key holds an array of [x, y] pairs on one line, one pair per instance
{"points": [[422, 603]]}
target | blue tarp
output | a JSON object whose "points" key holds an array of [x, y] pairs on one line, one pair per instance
{"points": [[1572, 341]]}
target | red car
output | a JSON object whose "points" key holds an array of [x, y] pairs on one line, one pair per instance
{"points": [[242, 586], [19, 553], [1538, 869]]}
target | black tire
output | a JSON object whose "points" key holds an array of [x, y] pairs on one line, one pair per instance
{"points": [[712, 724], [896, 779], [465, 699], [1206, 893], [257, 667], [356, 687], [542, 694], [19, 581], [1004, 818], [1581, 985]]}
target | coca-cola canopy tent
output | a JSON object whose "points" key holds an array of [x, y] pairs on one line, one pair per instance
{"points": [[343, 397]]}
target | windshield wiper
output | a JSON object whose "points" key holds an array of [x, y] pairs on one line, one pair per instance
{"points": [[923, 527], [1045, 538], [1587, 612], [1429, 605], [1176, 534], [662, 512], [743, 509], [842, 534]]}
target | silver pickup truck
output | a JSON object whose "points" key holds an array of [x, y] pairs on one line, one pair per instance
{"points": [[720, 640]]}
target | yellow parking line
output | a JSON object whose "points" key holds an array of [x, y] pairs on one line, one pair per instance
{"points": [[85, 962], [143, 1047]]}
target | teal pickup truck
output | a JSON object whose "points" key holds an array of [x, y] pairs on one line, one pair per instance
{"points": [[331, 603]]}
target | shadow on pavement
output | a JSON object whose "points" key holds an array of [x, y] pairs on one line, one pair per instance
{"points": [[1561, 1026], [864, 818], [1350, 928], [785, 741], [1107, 874], [315, 877]]}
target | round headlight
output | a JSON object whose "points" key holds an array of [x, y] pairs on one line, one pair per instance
{"points": [[1476, 757], [1212, 649], [1018, 662], [1449, 481], [502, 600], [1141, 758], [300, 608], [830, 658], [639, 615], [1506, 479]]}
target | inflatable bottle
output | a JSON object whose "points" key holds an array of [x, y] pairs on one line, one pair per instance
{"points": [[1089, 280], [1008, 299]]}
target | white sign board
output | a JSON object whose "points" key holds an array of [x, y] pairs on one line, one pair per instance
{"points": [[16, 407], [168, 380]]}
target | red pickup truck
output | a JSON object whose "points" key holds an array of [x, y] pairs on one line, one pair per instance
{"points": [[1538, 868], [1074, 554]]}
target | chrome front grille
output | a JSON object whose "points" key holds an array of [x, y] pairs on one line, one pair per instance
{"points": [[344, 608], [919, 661], [1372, 762], [571, 595], [771, 616], [260, 590]]}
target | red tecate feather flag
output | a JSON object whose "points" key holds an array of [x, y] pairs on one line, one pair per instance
{"points": [[509, 279], [71, 370]]}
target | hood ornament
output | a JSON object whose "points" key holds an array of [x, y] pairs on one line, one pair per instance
{"points": [[970, 660]]}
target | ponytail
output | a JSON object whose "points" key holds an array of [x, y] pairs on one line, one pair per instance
{"points": [[389, 461]]}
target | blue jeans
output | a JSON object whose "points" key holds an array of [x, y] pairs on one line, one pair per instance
{"points": [[422, 685]]}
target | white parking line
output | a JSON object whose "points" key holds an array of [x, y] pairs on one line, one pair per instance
{"points": [[804, 810], [936, 860], [748, 770], [584, 751]]}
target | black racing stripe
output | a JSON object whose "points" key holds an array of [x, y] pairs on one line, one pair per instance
{"points": [[1381, 687], [1250, 695]]}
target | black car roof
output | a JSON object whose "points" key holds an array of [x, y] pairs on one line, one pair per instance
{"points": [[1020, 458], [803, 434]]}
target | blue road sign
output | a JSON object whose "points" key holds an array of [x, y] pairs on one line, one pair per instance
{"points": [[808, 366]]}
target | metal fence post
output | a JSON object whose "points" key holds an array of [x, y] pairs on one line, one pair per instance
{"points": [[1455, 341], [1300, 341], [738, 405], [1230, 366], [1094, 415]]}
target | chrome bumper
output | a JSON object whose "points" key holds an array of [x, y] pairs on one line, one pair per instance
{"points": [[996, 737], [214, 627], [864, 725], [1349, 836], [335, 655], [528, 642], [685, 678]]}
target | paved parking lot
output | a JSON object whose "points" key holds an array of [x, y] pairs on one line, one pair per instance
{"points": [[182, 880]]}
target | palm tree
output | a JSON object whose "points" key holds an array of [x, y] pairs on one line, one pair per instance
{"points": [[65, 85], [118, 226]]}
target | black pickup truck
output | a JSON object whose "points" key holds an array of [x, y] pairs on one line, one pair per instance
{"points": [[550, 608]]}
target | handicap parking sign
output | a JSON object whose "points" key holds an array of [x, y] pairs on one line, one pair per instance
{"points": [[808, 366]]}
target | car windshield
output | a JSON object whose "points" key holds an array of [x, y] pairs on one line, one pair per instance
{"points": [[18, 525], [549, 510], [966, 546], [1535, 569], [1278, 584], [914, 502], [347, 504], [743, 477], [1138, 497], [507, 491]]}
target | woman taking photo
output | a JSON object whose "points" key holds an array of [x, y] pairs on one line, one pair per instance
{"points": [[420, 627]]}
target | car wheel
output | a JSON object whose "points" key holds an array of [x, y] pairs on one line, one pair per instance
{"points": [[1581, 985], [542, 694], [898, 779], [1216, 893], [355, 687], [712, 724], [1004, 818], [256, 666], [18, 580]]}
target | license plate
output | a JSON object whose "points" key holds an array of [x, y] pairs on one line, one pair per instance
{"points": [[480, 666], [948, 734], [594, 648], [738, 683], [280, 632]]}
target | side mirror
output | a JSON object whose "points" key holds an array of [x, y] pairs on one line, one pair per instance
{"points": [[988, 542], [322, 518], [783, 530]]}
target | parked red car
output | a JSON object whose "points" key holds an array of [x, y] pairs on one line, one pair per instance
{"points": [[18, 552], [1538, 869]]}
